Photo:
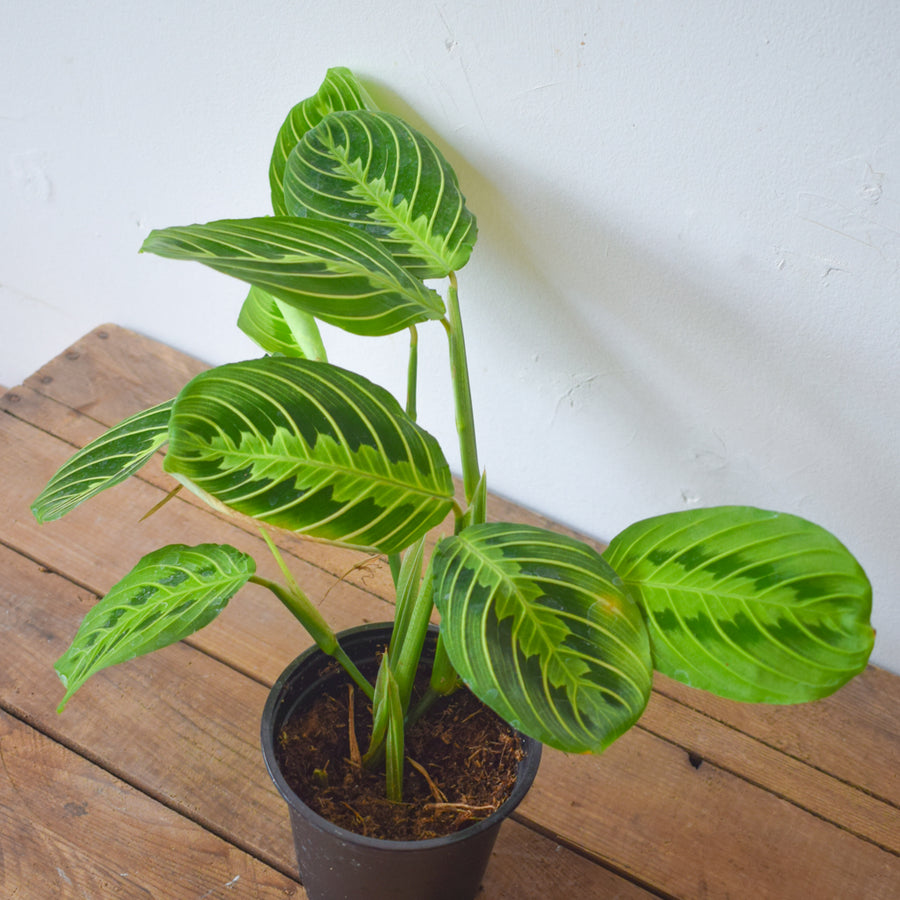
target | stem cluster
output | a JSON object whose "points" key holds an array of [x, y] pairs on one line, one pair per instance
{"points": [[392, 693]]}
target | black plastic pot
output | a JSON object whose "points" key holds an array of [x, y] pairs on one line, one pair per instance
{"points": [[336, 864]]}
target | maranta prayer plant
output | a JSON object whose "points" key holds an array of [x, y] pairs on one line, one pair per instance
{"points": [[560, 640]]}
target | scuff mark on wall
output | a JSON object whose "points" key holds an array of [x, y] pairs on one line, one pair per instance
{"points": [[849, 223], [29, 176]]}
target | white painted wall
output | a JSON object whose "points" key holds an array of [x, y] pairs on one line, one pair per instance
{"points": [[686, 285]]}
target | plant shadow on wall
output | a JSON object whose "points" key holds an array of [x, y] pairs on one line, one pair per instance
{"points": [[559, 640], [657, 350]]}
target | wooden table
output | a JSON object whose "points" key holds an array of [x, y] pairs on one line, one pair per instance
{"points": [[151, 784]]}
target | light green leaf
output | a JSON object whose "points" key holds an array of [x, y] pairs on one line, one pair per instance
{"points": [[372, 171], [311, 448], [279, 328], [171, 593], [104, 462], [339, 90], [539, 628], [748, 604], [336, 273]]}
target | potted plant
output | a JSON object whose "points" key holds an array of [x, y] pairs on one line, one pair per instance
{"points": [[557, 639]]}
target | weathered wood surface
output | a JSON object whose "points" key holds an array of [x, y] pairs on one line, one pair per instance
{"points": [[159, 758]]}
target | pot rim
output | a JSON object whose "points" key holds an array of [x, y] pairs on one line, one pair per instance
{"points": [[528, 767]]}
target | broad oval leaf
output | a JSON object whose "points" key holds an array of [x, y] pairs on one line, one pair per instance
{"points": [[336, 273], [279, 328], [340, 90], [373, 171], [311, 448], [748, 604], [104, 462], [539, 627], [171, 593]]}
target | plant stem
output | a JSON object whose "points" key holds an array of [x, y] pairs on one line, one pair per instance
{"points": [[444, 679], [459, 371], [304, 329], [301, 607], [395, 561], [412, 373], [406, 659]]}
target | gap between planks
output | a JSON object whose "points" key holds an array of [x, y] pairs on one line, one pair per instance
{"points": [[871, 822]]}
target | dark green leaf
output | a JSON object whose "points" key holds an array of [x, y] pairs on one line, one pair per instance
{"points": [[538, 626], [372, 171], [311, 448], [336, 273], [104, 462], [339, 90]]}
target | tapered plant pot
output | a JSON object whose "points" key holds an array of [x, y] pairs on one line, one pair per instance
{"points": [[337, 864]]}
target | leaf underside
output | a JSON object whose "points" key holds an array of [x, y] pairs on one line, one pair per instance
{"points": [[311, 448], [265, 320], [746, 603], [170, 593], [106, 461], [539, 628]]}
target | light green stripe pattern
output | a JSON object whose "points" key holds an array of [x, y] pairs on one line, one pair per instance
{"points": [[339, 91], [262, 319], [311, 448], [371, 170], [104, 462], [538, 626], [748, 604], [336, 273], [170, 593]]}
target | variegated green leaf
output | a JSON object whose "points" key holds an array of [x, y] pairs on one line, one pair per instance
{"points": [[371, 170], [339, 90], [311, 448], [539, 627], [171, 593], [748, 604], [338, 274], [104, 462], [279, 328]]}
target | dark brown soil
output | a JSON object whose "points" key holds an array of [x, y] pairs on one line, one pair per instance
{"points": [[469, 753]]}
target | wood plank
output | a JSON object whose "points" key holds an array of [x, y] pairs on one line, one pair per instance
{"points": [[805, 786], [89, 544], [642, 793], [192, 736], [525, 864], [97, 543], [116, 370], [69, 829], [683, 721], [177, 724], [645, 811], [854, 734]]}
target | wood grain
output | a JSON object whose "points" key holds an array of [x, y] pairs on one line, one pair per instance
{"points": [[706, 798], [183, 728], [68, 829]]}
